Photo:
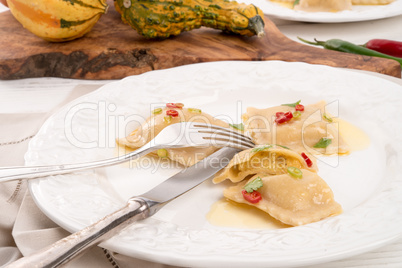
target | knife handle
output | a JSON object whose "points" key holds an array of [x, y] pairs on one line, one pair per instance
{"points": [[67, 248]]}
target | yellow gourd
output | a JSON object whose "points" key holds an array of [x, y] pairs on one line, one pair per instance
{"points": [[58, 20]]}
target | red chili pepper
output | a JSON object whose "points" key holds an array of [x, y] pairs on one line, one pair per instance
{"points": [[389, 47], [254, 197], [279, 114], [175, 105], [289, 115], [307, 159], [299, 107], [283, 117], [172, 113]]}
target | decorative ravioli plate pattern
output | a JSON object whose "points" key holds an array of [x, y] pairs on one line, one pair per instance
{"points": [[358, 12], [367, 183]]}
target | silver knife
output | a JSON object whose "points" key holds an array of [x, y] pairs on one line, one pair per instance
{"points": [[136, 209]]}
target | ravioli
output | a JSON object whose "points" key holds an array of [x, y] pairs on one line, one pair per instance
{"points": [[160, 119], [266, 159], [301, 134], [293, 201], [324, 5], [372, 2]]}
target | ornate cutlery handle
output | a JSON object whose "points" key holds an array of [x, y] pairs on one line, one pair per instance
{"points": [[67, 248], [28, 172]]}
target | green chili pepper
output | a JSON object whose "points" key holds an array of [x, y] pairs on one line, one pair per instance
{"points": [[194, 110], [296, 115], [295, 172], [328, 118], [157, 111], [162, 153], [345, 46]]}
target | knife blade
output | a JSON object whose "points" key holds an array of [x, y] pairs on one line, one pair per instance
{"points": [[137, 208], [191, 176]]}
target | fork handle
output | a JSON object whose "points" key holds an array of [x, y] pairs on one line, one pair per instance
{"points": [[67, 248], [28, 172]]}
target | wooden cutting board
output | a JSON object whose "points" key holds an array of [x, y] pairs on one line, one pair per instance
{"points": [[113, 50]]}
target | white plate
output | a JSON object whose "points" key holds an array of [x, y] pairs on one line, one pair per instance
{"points": [[367, 183], [358, 13]]}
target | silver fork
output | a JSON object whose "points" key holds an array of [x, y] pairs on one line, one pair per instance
{"points": [[180, 135]]}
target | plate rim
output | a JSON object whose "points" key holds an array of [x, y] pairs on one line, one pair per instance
{"points": [[176, 259], [276, 11]]}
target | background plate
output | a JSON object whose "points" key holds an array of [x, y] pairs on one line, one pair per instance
{"points": [[358, 13], [367, 183]]}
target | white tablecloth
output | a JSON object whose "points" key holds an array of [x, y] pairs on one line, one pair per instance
{"points": [[25, 104]]}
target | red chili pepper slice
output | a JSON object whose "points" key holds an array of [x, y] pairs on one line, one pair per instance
{"points": [[289, 115], [172, 113], [299, 107], [281, 119], [307, 159], [254, 197], [279, 114], [174, 105]]}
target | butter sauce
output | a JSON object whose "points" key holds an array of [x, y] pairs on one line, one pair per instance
{"points": [[227, 213], [355, 137]]}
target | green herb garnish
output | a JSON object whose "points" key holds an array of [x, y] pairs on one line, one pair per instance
{"points": [[261, 148], [296, 2], [323, 143], [253, 185], [328, 118], [284, 147], [292, 104], [237, 126]]}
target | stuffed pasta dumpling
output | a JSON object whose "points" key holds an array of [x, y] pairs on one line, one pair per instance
{"points": [[293, 201], [165, 116], [310, 130], [323, 5], [265, 159]]}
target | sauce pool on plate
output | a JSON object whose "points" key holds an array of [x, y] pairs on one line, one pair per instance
{"points": [[226, 213], [356, 138]]}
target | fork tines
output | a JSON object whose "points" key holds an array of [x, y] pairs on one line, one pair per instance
{"points": [[222, 137]]}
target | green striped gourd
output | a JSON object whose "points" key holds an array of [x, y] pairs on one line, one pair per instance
{"points": [[164, 18]]}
